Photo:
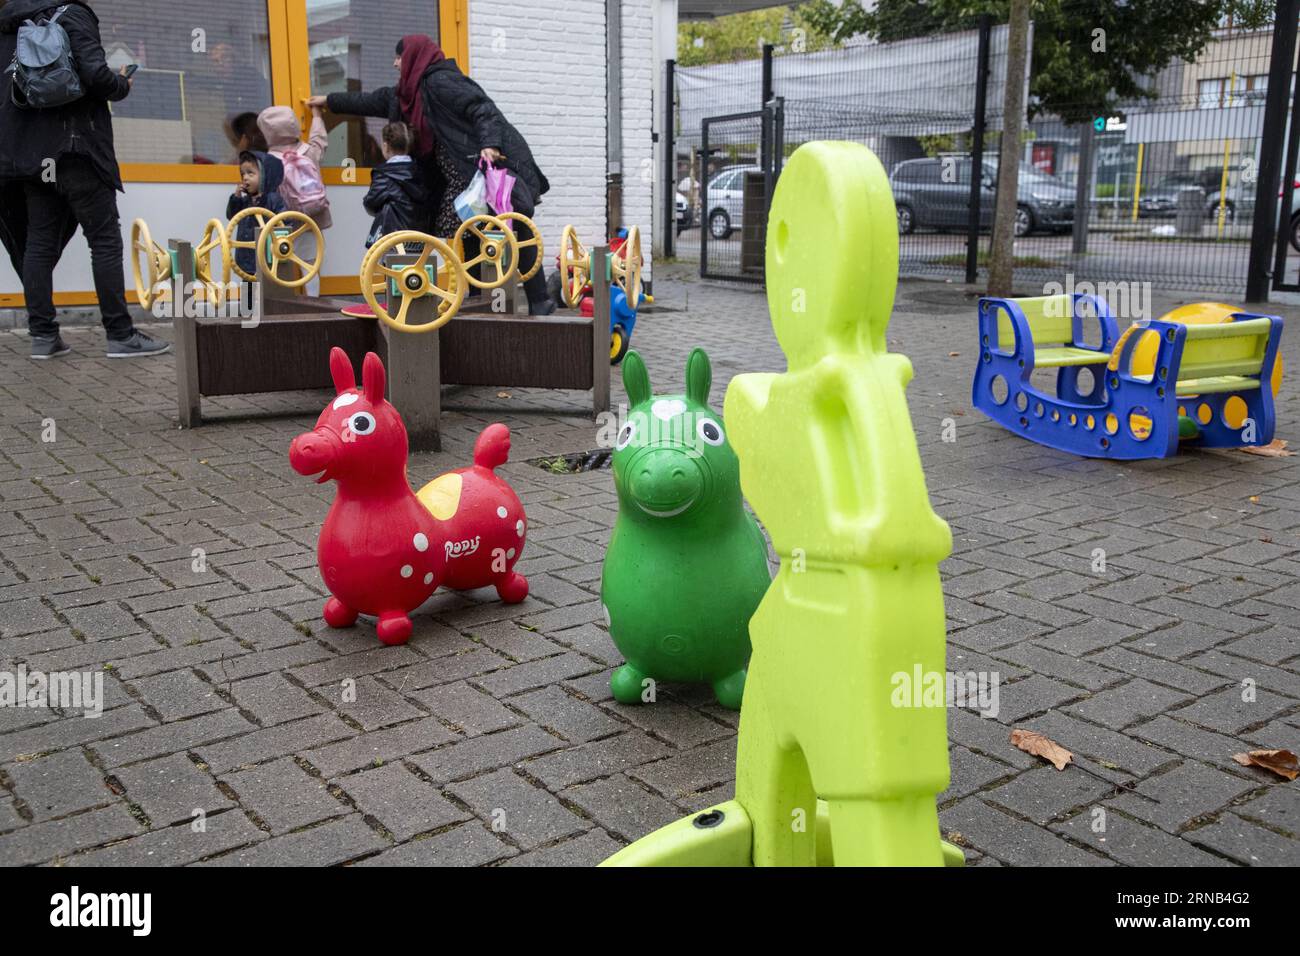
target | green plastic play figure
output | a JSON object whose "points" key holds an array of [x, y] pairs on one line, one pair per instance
{"points": [[827, 768], [686, 566]]}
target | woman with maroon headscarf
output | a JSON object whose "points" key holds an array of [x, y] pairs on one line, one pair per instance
{"points": [[456, 125]]}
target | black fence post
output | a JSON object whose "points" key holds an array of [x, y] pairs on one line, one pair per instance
{"points": [[1083, 190], [668, 138], [765, 128], [704, 198], [1262, 232], [1288, 192], [977, 151], [767, 72]]}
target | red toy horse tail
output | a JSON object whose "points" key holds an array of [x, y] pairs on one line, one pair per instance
{"points": [[493, 446]]}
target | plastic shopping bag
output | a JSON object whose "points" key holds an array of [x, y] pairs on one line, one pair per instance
{"points": [[500, 184], [473, 201]]}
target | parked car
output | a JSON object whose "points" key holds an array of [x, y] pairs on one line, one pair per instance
{"points": [[935, 193], [1294, 233], [724, 200], [1161, 200], [684, 216]]}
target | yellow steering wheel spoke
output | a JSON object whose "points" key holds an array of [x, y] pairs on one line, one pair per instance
{"points": [[518, 220], [151, 277], [215, 283], [280, 248], [625, 267], [497, 247], [412, 281], [575, 266], [261, 216]]}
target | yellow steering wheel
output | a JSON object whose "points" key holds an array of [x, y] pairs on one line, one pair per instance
{"points": [[151, 280], [625, 267], [536, 242], [262, 216], [280, 248], [214, 240], [413, 281], [497, 248], [575, 266]]}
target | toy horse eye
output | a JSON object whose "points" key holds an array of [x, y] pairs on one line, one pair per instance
{"points": [[710, 431], [362, 423], [625, 436]]}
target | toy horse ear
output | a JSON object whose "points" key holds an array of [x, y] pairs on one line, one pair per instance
{"points": [[699, 377], [374, 378], [635, 379], [341, 370]]}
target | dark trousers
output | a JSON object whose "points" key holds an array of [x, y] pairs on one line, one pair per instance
{"points": [[78, 192], [521, 198]]}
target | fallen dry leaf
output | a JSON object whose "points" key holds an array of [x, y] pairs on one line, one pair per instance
{"points": [[953, 354], [1274, 449], [1040, 746], [503, 394], [1281, 762]]}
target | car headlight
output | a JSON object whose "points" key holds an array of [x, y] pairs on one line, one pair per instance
{"points": [[1048, 200]]}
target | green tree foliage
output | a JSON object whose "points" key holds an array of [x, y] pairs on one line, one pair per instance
{"points": [[1088, 56], [742, 35]]}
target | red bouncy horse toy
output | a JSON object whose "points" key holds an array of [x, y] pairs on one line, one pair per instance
{"points": [[383, 549]]}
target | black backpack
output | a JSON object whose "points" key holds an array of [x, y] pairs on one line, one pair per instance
{"points": [[42, 71]]}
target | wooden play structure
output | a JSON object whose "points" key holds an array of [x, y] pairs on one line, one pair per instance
{"points": [[275, 343]]}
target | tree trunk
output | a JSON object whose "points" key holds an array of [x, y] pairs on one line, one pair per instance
{"points": [[1013, 122]]}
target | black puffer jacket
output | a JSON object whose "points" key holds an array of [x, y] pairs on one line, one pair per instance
{"points": [[464, 121], [396, 198], [29, 137]]}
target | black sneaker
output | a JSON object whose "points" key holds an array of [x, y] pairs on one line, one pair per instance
{"points": [[137, 345], [48, 347]]}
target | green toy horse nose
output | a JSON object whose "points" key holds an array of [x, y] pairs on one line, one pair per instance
{"points": [[665, 482]]}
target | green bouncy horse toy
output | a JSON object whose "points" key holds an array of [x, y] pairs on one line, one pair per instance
{"points": [[686, 566], [827, 769]]}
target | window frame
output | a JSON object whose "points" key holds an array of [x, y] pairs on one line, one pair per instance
{"points": [[291, 83]]}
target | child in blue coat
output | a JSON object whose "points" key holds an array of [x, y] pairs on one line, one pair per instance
{"points": [[260, 175]]}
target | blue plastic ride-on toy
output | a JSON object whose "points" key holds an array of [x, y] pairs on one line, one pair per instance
{"points": [[1160, 381]]}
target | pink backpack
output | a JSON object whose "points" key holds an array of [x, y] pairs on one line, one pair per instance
{"points": [[302, 188]]}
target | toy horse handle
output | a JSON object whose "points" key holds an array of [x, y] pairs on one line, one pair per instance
{"points": [[493, 446]]}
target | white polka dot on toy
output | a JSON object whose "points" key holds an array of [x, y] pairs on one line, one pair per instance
{"points": [[428, 578], [501, 511], [510, 554], [407, 570], [420, 541], [519, 527]]}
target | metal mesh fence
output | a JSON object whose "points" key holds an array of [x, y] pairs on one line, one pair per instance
{"points": [[1195, 148]]}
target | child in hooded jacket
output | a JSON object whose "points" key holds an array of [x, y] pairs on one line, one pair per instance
{"points": [[279, 124], [260, 175]]}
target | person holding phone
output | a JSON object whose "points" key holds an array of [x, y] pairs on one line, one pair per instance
{"points": [[65, 160]]}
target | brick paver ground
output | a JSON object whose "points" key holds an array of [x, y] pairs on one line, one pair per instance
{"points": [[492, 738]]}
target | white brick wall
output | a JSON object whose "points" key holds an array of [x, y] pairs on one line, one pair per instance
{"points": [[544, 65], [638, 121]]}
